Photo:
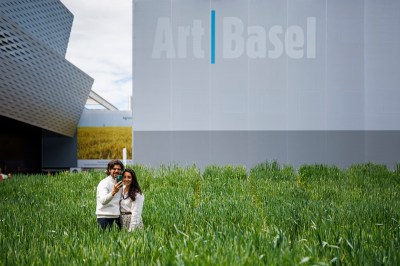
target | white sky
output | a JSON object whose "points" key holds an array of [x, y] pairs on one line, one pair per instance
{"points": [[101, 45]]}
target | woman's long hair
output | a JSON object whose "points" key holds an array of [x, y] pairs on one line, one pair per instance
{"points": [[134, 187]]}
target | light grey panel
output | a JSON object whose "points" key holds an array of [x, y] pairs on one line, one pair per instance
{"points": [[306, 75], [105, 118], [386, 150], [194, 146], [345, 147], [154, 148], [382, 64], [229, 147], [271, 146], [229, 75], [190, 87], [249, 148], [304, 147], [152, 67], [345, 65]]}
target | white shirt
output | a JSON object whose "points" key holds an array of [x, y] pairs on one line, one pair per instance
{"points": [[135, 207], [107, 206]]}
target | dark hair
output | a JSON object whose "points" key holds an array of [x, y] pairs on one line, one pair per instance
{"points": [[134, 188], [111, 164]]}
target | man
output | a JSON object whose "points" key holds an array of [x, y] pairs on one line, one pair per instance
{"points": [[108, 195]]}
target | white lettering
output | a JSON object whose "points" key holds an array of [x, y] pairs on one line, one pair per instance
{"points": [[256, 43], [183, 35], [236, 39], [163, 41], [233, 43], [294, 42], [274, 31]]}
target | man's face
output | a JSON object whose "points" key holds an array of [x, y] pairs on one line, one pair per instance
{"points": [[115, 170]]}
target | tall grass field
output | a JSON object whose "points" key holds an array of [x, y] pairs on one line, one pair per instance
{"points": [[271, 214]]}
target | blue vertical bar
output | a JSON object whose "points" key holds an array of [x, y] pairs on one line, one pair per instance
{"points": [[212, 36]]}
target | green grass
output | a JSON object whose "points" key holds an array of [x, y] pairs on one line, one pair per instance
{"points": [[225, 215]]}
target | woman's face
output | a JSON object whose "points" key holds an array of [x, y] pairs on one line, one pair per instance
{"points": [[127, 179]]}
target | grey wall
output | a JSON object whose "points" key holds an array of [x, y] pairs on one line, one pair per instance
{"points": [[296, 81], [341, 148], [58, 151]]}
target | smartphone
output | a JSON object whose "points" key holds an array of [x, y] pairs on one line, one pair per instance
{"points": [[119, 178]]}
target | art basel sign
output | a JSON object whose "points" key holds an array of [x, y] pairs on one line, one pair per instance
{"points": [[254, 41]]}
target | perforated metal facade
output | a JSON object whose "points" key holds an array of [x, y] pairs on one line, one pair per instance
{"points": [[48, 20], [38, 85]]}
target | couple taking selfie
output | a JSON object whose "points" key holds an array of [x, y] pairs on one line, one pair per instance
{"points": [[119, 199]]}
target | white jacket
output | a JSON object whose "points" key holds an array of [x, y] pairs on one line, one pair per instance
{"points": [[135, 207], [107, 206]]}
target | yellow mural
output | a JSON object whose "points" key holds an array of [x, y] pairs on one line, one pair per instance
{"points": [[104, 142]]}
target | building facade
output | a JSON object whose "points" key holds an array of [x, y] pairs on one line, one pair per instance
{"points": [[243, 82], [41, 92]]}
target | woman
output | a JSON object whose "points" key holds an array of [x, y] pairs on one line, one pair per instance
{"points": [[131, 204]]}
